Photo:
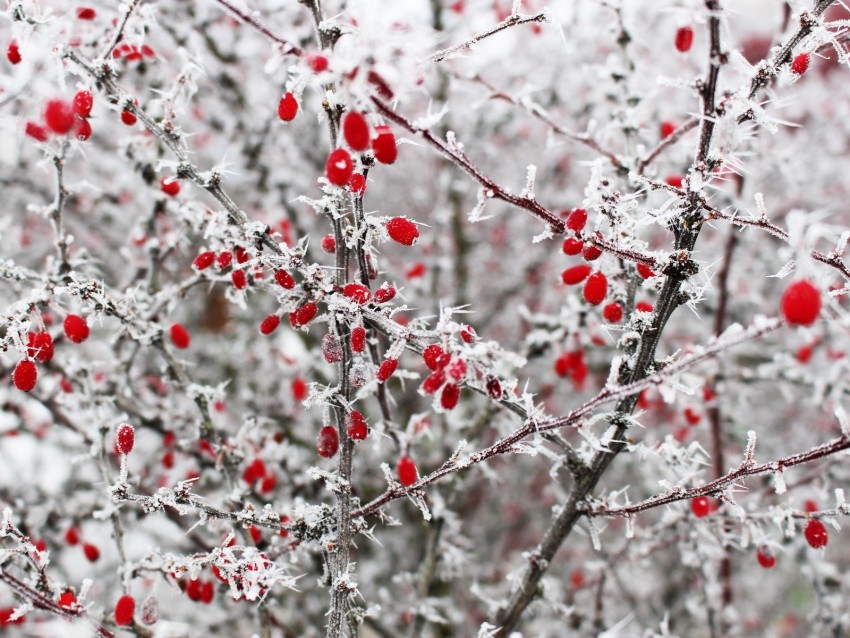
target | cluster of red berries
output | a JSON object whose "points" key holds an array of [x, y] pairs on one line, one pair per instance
{"points": [[238, 276], [339, 168], [40, 348], [133, 52], [72, 538], [447, 372], [257, 472], [61, 117], [595, 288]]}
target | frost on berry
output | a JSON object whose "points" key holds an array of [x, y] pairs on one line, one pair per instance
{"points": [[384, 294], [800, 64], [25, 375], [357, 292], [816, 534], [331, 348], [83, 102], [801, 303], [355, 426], [284, 279], [125, 438], [329, 244], [403, 231], [303, 315], [170, 186], [576, 220], [327, 442], [358, 339], [386, 369]]}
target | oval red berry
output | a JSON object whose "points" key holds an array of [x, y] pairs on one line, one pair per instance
{"points": [[287, 108], [339, 167], [355, 130], [402, 230], [801, 303], [327, 443]]}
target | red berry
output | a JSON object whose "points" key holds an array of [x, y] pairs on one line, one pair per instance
{"points": [[284, 279], [433, 382], [402, 230], [194, 589], [816, 534], [36, 131], [13, 53], [208, 589], [242, 255], [645, 271], [700, 506], [76, 328], [339, 167], [66, 385], [387, 369], [327, 443], [299, 389], [494, 388], [317, 62], [467, 333], [591, 252], [170, 186], [72, 536], [577, 220], [180, 336], [128, 117], [644, 306], [331, 348], [357, 293], [358, 339], [433, 356], [303, 315], [572, 246], [329, 244], [692, 416], [595, 288], [239, 279], [575, 274], [40, 346], [383, 145], [801, 303], [449, 397], [204, 260], [355, 130], [684, 39], [254, 471], [357, 184], [224, 259], [83, 102], [457, 369], [25, 375], [674, 180], [765, 557], [613, 312], [269, 324], [287, 108], [168, 459], [810, 506], [125, 438], [91, 552], [59, 116], [800, 64], [355, 426], [83, 131], [407, 473], [384, 294], [86, 13], [124, 610], [667, 129], [67, 600]]}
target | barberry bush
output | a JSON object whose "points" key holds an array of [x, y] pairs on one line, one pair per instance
{"points": [[424, 318]]}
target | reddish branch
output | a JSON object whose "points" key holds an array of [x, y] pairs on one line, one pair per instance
{"points": [[718, 485], [507, 23]]}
